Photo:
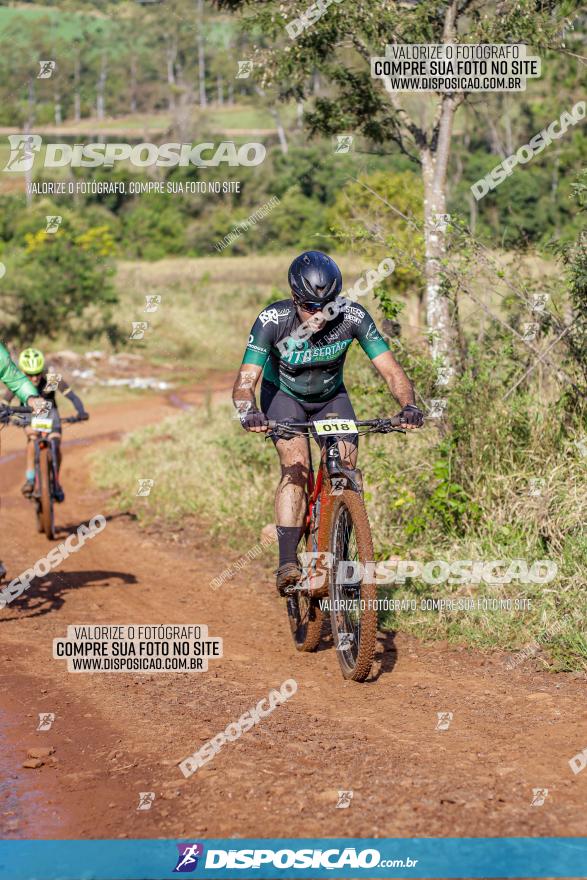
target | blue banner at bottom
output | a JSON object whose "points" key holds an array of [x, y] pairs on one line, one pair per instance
{"points": [[230, 858]]}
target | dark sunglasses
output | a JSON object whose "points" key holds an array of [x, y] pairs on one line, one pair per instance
{"points": [[311, 307]]}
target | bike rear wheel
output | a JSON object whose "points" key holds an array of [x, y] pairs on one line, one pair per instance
{"points": [[45, 512], [353, 613], [304, 613]]}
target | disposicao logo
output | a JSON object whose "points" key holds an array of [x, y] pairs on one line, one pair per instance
{"points": [[187, 860], [210, 155]]}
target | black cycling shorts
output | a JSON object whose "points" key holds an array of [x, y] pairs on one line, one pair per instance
{"points": [[278, 405]]}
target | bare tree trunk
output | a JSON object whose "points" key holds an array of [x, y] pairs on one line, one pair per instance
{"points": [[133, 84], [472, 211], [101, 87], [201, 56], [434, 158], [278, 124], [28, 175], [220, 89], [434, 167], [183, 106], [280, 133], [170, 56], [230, 94], [300, 114], [57, 109], [509, 140], [496, 145], [77, 104]]}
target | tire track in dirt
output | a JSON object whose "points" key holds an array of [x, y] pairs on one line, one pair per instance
{"points": [[118, 734]]}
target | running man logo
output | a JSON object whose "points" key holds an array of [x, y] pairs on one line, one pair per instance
{"points": [[245, 68], [344, 143], [337, 485], [53, 223], [530, 331], [344, 800], [145, 487], [22, 151], [146, 799], [138, 329], [535, 486], [44, 409], [345, 641], [187, 860], [153, 301], [539, 795], [539, 303], [444, 375], [444, 719], [316, 565], [53, 380], [436, 408], [46, 719], [439, 222], [46, 69]]}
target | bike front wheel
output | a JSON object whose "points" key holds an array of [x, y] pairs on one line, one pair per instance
{"points": [[45, 512], [304, 612], [353, 611]]}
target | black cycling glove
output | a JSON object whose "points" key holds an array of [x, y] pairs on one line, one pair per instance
{"points": [[253, 419], [411, 415]]}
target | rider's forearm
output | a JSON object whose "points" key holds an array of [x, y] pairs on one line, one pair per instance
{"points": [[243, 392], [400, 386]]}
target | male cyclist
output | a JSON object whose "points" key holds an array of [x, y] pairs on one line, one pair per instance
{"points": [[20, 386], [300, 345], [32, 363]]}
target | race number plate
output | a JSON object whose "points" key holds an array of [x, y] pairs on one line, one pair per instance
{"points": [[39, 424], [335, 426]]}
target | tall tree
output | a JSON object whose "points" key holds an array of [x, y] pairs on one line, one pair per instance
{"points": [[339, 47]]}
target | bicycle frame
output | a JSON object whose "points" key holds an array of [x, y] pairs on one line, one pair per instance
{"points": [[313, 492]]}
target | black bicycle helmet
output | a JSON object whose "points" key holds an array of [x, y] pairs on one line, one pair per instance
{"points": [[315, 277]]}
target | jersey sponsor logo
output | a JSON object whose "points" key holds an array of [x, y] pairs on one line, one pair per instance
{"points": [[272, 316], [254, 347], [354, 318], [354, 310], [269, 316], [372, 333], [319, 353]]}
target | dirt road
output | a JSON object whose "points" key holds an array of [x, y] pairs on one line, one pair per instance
{"points": [[118, 734]]}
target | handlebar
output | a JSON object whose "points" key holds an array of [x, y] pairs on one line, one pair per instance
{"points": [[6, 410], [14, 410], [381, 426]]}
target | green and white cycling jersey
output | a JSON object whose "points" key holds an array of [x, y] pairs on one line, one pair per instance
{"points": [[310, 369], [14, 379]]}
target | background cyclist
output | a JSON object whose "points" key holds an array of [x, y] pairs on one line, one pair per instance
{"points": [[299, 346], [20, 386], [32, 363]]}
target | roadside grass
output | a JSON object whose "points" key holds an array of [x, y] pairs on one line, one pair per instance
{"points": [[208, 306], [205, 466]]}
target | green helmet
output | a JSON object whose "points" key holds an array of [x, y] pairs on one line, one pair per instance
{"points": [[31, 361]]}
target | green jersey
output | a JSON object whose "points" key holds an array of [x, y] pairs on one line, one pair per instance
{"points": [[310, 369], [14, 379]]}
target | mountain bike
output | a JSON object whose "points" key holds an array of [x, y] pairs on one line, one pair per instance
{"points": [[46, 471], [336, 537]]}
